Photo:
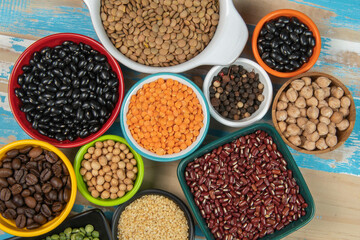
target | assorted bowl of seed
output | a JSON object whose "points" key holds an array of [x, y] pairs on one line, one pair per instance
{"points": [[239, 94], [109, 172]]}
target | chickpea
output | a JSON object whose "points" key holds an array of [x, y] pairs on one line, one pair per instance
{"points": [[113, 196], [97, 152], [281, 115], [105, 195], [114, 182], [106, 186], [315, 85], [303, 112], [120, 193], [94, 172], [128, 181], [135, 170], [325, 120], [345, 102], [297, 84], [337, 92], [83, 171], [306, 92], [110, 149], [95, 165], [122, 165], [99, 145], [89, 183], [104, 151], [133, 161], [105, 144], [129, 166], [332, 129], [319, 94], [322, 104], [129, 187], [282, 126], [108, 178], [293, 111], [88, 176], [129, 155], [87, 165], [312, 112], [312, 102], [121, 174], [111, 142], [293, 129], [327, 92], [115, 159], [95, 193], [295, 140], [126, 151], [281, 105], [334, 103], [99, 188], [103, 161], [300, 102], [114, 166], [122, 146], [326, 112], [114, 189], [126, 160], [301, 121], [101, 172], [117, 145], [343, 125], [109, 156], [122, 187], [87, 155], [91, 150], [321, 144], [313, 137], [130, 174], [116, 151], [91, 188], [337, 117], [331, 140], [106, 169], [291, 94], [310, 127], [323, 81], [94, 157], [344, 111], [100, 180], [122, 156], [309, 145]]}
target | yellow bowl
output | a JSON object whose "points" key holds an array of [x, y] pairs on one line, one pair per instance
{"points": [[9, 225]]}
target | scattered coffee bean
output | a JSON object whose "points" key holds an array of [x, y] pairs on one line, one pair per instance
{"points": [[285, 44], [68, 92], [35, 188], [236, 93]]}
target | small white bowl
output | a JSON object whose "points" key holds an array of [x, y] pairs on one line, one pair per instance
{"points": [[267, 92], [226, 45], [146, 153]]}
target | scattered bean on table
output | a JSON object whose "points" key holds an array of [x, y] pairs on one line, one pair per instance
{"points": [[285, 44], [35, 186], [160, 33], [67, 91], [244, 190], [236, 93], [165, 116], [153, 217], [109, 169]]}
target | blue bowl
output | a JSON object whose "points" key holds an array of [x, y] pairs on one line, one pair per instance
{"points": [[169, 157]]}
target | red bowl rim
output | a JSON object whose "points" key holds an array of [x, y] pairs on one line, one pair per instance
{"points": [[70, 37], [307, 21]]}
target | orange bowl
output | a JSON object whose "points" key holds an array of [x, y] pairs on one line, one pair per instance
{"points": [[304, 19]]}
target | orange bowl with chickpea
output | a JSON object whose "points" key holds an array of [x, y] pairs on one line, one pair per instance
{"points": [[164, 117], [108, 171]]}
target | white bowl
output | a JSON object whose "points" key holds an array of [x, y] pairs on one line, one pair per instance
{"points": [[169, 157], [226, 45], [267, 92]]}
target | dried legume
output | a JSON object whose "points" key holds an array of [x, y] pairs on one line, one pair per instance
{"points": [[109, 169], [165, 116], [244, 190], [153, 217], [160, 32]]}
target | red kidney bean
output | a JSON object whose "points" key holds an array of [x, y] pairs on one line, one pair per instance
{"points": [[244, 189]]}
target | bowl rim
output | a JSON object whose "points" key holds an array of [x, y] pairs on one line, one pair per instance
{"points": [[271, 131], [351, 110], [155, 157], [65, 212], [82, 185], [259, 114], [289, 13], [30, 50], [154, 191]]}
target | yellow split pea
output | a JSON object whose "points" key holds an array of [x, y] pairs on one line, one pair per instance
{"points": [[165, 116]]}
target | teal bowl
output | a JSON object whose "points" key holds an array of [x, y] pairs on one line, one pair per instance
{"points": [[291, 164]]}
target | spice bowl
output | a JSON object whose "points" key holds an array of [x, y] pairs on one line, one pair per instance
{"points": [[82, 186], [16, 104], [218, 146], [117, 214], [195, 91], [342, 136], [225, 46], [249, 66], [304, 19], [9, 225], [95, 217]]}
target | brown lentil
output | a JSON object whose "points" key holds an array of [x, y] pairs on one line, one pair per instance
{"points": [[153, 217], [151, 27]]}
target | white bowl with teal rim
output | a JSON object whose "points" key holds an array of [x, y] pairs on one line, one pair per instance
{"points": [[169, 157]]}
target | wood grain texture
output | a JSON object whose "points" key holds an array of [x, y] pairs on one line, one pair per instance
{"points": [[336, 195]]}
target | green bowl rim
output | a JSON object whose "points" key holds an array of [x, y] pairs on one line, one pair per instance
{"points": [[82, 185], [270, 130]]}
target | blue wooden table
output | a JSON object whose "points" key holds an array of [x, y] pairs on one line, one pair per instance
{"points": [[333, 178]]}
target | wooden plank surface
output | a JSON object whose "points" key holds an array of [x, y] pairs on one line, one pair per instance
{"points": [[329, 176]]}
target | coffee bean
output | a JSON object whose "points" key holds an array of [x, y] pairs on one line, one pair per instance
{"points": [[31, 179], [9, 214], [40, 219], [10, 204], [3, 182], [46, 188], [11, 180], [25, 193], [64, 169], [2, 206], [51, 157], [12, 153], [5, 172], [56, 182], [32, 226], [5, 194], [16, 163], [20, 221], [38, 197], [29, 212], [31, 165], [67, 194], [57, 207], [37, 188], [16, 189], [20, 210], [29, 221], [30, 202], [57, 170], [35, 152], [45, 210], [18, 174], [25, 150]]}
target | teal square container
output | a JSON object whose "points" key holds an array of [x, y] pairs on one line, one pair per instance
{"points": [[291, 164]]}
